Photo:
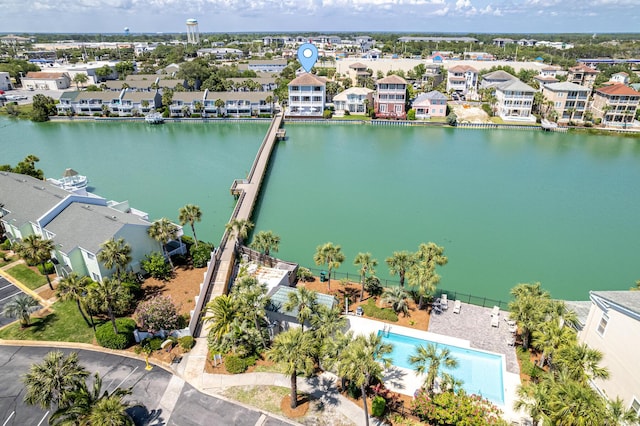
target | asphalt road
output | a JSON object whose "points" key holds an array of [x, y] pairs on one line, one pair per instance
{"points": [[149, 389], [7, 292]]}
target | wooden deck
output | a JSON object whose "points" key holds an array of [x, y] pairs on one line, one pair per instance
{"points": [[247, 190]]}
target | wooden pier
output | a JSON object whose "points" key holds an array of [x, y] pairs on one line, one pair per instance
{"points": [[220, 269]]}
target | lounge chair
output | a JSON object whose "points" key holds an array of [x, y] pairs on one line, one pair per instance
{"points": [[495, 321], [496, 311], [456, 307], [444, 302]]}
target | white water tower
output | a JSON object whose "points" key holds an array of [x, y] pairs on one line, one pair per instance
{"points": [[193, 35]]}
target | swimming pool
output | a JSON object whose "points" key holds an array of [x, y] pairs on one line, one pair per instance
{"points": [[481, 372]]}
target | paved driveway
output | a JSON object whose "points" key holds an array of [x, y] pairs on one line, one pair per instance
{"points": [[167, 399], [7, 292]]}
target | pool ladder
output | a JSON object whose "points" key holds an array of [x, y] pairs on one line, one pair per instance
{"points": [[385, 330]]}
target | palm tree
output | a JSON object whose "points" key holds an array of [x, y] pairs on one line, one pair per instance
{"points": [[47, 382], [219, 104], [115, 253], [89, 406], [423, 272], [265, 241], [550, 337], [533, 399], [80, 78], [400, 263], [367, 265], [617, 415], [21, 307], [397, 298], [74, 288], [269, 100], [294, 353], [221, 313], [190, 213], [163, 231], [581, 363], [330, 255], [252, 302], [529, 309], [428, 359], [304, 301], [240, 228], [108, 296], [327, 321], [573, 403], [35, 250], [363, 361]]}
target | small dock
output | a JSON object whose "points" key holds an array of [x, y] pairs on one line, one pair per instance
{"points": [[281, 134]]}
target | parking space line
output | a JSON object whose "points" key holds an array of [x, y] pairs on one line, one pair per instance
{"points": [[125, 379], [9, 297], [8, 285], [44, 417], [8, 418]]}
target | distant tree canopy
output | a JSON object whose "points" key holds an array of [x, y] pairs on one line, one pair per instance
{"points": [[16, 66], [43, 107], [25, 167]]}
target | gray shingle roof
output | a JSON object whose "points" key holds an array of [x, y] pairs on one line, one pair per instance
{"points": [[15, 189], [515, 85], [627, 300], [566, 86], [498, 75], [88, 226], [239, 96]]}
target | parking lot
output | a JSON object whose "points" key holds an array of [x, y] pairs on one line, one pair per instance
{"points": [[7, 292], [26, 96]]}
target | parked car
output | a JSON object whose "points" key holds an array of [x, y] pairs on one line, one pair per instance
{"points": [[15, 97]]}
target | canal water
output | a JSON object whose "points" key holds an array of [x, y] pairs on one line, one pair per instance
{"points": [[508, 206]]}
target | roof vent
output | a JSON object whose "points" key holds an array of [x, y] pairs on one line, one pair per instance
{"points": [[41, 188], [114, 218]]}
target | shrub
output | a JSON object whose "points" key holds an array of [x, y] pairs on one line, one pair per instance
{"points": [[157, 313], [452, 119], [450, 408], [196, 115], [487, 108], [201, 255], [372, 286], [6, 245], [377, 406], [155, 265], [327, 114], [154, 343], [108, 339], [186, 343], [371, 310], [187, 240], [48, 268], [234, 364], [411, 114], [304, 274]]}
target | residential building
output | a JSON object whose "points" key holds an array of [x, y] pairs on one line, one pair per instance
{"points": [[502, 42], [5, 81], [183, 104], [544, 80], [527, 42], [495, 78], [78, 224], [307, 94], [271, 65], [133, 85], [462, 79], [438, 39], [431, 104], [479, 56], [139, 103], [612, 328], [354, 99], [46, 81], [391, 97], [582, 75], [92, 103], [358, 71], [570, 100], [619, 77], [514, 101], [549, 71], [615, 104], [238, 104], [221, 53], [65, 104]]}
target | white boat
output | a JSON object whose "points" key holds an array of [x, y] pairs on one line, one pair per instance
{"points": [[71, 181], [154, 118]]}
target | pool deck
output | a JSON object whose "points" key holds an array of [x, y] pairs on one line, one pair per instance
{"points": [[471, 328]]}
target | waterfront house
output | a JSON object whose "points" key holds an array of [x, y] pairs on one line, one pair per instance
{"points": [[569, 100], [582, 75], [391, 97], [432, 104], [615, 104], [65, 104], [619, 77], [514, 101], [238, 104], [495, 78], [78, 224], [183, 104], [354, 99], [612, 328], [139, 103], [462, 79], [96, 103], [358, 71], [307, 96], [46, 81], [543, 80]]}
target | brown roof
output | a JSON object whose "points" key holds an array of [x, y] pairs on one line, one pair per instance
{"points": [[307, 79], [583, 68], [392, 79], [546, 78], [44, 75], [462, 68], [357, 65], [618, 90]]}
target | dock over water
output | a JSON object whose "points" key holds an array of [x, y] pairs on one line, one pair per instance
{"points": [[247, 190]]}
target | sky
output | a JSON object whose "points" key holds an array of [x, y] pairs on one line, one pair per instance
{"points": [[274, 16]]}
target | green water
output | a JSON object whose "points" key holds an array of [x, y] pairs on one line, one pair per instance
{"points": [[157, 168], [508, 206]]}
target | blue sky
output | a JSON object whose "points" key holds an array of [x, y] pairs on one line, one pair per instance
{"points": [[428, 16]]}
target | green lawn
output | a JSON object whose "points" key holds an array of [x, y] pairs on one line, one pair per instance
{"points": [[27, 276], [6, 262], [352, 117], [64, 324]]}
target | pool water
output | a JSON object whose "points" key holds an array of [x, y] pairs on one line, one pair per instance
{"points": [[480, 372]]}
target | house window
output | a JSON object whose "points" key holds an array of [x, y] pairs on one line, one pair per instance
{"points": [[602, 326], [95, 277], [635, 406], [90, 256]]}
